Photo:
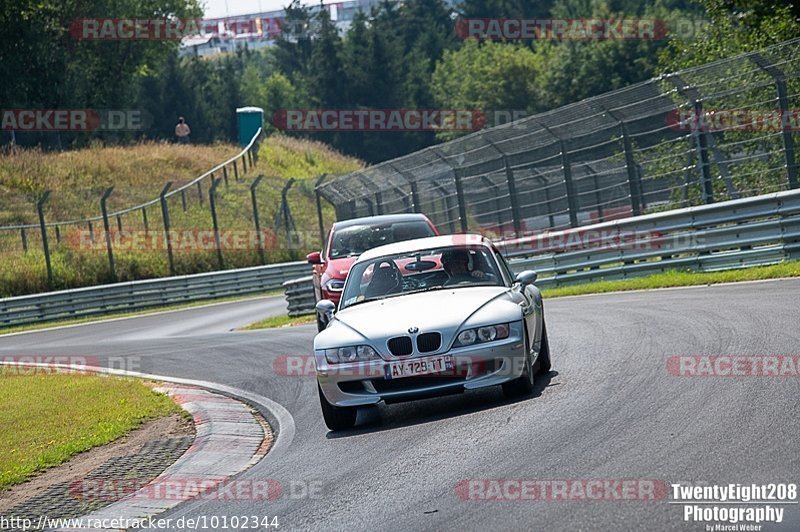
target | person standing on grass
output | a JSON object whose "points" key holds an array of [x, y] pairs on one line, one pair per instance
{"points": [[182, 131]]}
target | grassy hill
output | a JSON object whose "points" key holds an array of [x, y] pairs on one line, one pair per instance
{"points": [[137, 173]]}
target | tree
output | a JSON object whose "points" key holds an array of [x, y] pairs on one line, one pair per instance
{"points": [[487, 77]]}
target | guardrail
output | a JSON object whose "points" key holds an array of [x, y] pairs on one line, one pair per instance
{"points": [[300, 296], [137, 295], [738, 233]]}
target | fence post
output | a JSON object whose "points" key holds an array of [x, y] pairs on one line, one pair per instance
{"points": [[783, 102], [569, 185], [91, 231], [225, 174], [379, 202], [634, 184], [119, 223], [212, 203], [165, 217], [183, 199], [144, 220], [702, 157], [244, 163], [286, 212], [512, 195], [235, 171], [58, 233], [24, 240], [256, 221], [43, 228], [415, 197], [320, 179], [462, 206], [200, 192], [107, 228]]}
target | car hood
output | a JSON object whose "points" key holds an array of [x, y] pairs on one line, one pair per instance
{"points": [[445, 311], [338, 268]]}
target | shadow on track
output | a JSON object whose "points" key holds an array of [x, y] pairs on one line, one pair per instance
{"points": [[399, 415]]}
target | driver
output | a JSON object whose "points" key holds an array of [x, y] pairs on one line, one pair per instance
{"points": [[456, 263]]}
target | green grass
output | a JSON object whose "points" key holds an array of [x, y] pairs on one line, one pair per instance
{"points": [[46, 419], [78, 177], [679, 278], [281, 321], [132, 314]]}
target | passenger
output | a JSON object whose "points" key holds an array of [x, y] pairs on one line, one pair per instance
{"points": [[456, 263]]}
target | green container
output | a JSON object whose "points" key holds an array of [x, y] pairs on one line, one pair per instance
{"points": [[250, 119]]}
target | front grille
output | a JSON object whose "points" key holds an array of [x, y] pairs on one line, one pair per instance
{"points": [[429, 342], [400, 346]]}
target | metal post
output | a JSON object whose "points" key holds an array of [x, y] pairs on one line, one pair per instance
{"points": [[783, 103], [572, 202], [212, 203], [702, 157], [165, 217], [370, 206], [634, 184], [320, 179], [183, 199], [58, 234], [379, 202], [256, 221], [119, 223], [107, 228], [144, 220], [200, 192], [244, 163], [287, 213], [415, 197], [462, 205], [91, 232], [235, 171], [225, 174], [512, 195], [24, 240], [43, 228]]}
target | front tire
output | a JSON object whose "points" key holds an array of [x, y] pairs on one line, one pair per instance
{"points": [[321, 325], [337, 417], [522, 385], [544, 352]]}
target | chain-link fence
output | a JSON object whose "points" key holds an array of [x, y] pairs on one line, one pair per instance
{"points": [[720, 131]]}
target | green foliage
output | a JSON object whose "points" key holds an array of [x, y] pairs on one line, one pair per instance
{"points": [[487, 76], [735, 26]]}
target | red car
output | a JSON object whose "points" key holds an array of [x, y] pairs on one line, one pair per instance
{"points": [[350, 238]]}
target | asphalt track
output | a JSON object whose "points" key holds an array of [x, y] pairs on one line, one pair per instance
{"points": [[608, 410]]}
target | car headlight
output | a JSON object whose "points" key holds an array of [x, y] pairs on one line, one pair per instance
{"points": [[467, 337], [489, 333], [350, 353], [334, 285]]}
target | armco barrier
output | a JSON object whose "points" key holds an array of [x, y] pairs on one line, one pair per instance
{"points": [[136, 295], [300, 296], [747, 232]]}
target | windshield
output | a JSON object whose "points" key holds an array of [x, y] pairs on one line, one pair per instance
{"points": [[356, 239], [420, 271]]}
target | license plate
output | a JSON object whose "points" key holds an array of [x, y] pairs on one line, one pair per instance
{"points": [[419, 366]]}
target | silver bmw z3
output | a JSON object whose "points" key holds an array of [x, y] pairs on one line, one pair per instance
{"points": [[429, 317]]}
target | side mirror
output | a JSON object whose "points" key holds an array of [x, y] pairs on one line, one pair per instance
{"points": [[314, 257], [526, 277], [326, 308]]}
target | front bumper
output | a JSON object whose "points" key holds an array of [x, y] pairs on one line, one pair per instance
{"points": [[478, 366]]}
